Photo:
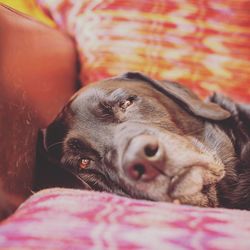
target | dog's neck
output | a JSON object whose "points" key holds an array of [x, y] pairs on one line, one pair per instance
{"points": [[231, 140]]}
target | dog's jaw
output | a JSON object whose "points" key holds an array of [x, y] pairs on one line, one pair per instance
{"points": [[193, 182]]}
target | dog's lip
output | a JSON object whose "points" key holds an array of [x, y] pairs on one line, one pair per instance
{"points": [[187, 182], [191, 180]]}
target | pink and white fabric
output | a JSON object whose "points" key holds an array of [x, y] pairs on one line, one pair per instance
{"points": [[76, 219]]}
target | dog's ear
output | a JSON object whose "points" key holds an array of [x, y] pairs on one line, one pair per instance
{"points": [[244, 112], [183, 97], [50, 139]]}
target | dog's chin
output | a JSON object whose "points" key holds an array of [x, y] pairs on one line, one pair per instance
{"points": [[204, 197], [201, 198], [195, 185], [189, 189]]}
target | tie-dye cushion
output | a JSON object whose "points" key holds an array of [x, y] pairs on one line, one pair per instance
{"points": [[202, 44], [76, 219]]}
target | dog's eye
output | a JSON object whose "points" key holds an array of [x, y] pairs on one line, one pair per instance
{"points": [[124, 105], [84, 163]]}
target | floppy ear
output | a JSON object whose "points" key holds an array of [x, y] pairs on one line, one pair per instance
{"points": [[49, 172], [50, 139], [184, 97], [244, 110]]}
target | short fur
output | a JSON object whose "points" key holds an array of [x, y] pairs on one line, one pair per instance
{"points": [[205, 146]]}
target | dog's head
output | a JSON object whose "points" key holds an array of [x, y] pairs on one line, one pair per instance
{"points": [[138, 137]]}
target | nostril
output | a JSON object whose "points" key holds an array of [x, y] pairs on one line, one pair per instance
{"points": [[143, 158], [137, 171], [151, 150]]}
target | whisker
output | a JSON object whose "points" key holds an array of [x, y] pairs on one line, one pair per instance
{"points": [[194, 132], [54, 144], [87, 186]]}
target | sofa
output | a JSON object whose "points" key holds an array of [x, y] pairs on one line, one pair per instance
{"points": [[40, 68]]}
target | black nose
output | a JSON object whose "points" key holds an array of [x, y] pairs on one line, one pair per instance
{"points": [[144, 158]]}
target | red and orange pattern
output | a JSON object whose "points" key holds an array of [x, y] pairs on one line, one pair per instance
{"points": [[203, 44]]}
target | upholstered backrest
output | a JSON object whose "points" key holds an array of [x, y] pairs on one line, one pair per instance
{"points": [[37, 76]]}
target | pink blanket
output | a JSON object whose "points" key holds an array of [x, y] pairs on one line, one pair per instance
{"points": [[75, 219]]}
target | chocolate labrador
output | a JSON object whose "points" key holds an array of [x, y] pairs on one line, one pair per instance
{"points": [[155, 140]]}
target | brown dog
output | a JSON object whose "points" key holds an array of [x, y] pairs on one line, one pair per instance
{"points": [[146, 139]]}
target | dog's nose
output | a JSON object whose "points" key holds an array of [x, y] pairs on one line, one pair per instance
{"points": [[144, 158]]}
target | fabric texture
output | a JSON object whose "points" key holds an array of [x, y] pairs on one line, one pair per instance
{"points": [[30, 8], [202, 44], [76, 219]]}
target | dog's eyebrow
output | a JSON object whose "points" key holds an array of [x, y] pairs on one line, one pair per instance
{"points": [[104, 109], [118, 95], [108, 96], [81, 144]]}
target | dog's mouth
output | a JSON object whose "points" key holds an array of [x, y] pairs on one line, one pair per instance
{"points": [[187, 182], [193, 185]]}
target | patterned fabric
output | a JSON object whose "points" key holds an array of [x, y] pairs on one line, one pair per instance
{"points": [[30, 8], [75, 219], [203, 44]]}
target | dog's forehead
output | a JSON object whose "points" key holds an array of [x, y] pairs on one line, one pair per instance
{"points": [[94, 92], [86, 102]]}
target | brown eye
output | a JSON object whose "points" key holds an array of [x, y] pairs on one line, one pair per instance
{"points": [[127, 103], [84, 163]]}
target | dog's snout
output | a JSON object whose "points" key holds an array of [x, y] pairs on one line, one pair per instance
{"points": [[143, 158]]}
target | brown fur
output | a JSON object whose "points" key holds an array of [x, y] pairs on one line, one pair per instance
{"points": [[203, 148]]}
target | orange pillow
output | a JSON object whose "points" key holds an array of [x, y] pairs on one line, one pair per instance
{"points": [[202, 44]]}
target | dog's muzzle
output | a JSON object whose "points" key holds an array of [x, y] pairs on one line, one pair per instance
{"points": [[185, 165]]}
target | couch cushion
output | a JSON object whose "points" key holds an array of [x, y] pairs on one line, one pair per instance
{"points": [[75, 219], [204, 45]]}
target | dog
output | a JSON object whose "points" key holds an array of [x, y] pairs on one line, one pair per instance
{"points": [[153, 140]]}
